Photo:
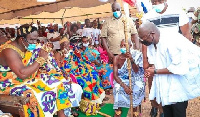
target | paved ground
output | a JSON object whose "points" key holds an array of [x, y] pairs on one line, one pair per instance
{"points": [[193, 109]]}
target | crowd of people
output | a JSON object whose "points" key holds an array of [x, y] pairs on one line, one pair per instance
{"points": [[60, 68]]}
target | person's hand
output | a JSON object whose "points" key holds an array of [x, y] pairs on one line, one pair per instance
{"points": [[154, 103], [111, 56], [149, 72], [45, 50], [38, 22], [127, 90], [43, 53], [129, 56], [68, 24], [31, 24]]}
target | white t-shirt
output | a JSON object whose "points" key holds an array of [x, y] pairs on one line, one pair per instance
{"points": [[88, 32], [96, 33], [169, 21], [42, 39], [79, 31], [56, 44]]}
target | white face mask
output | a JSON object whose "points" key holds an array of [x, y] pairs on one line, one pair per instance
{"points": [[68, 53], [97, 42], [159, 8], [85, 44], [190, 14]]}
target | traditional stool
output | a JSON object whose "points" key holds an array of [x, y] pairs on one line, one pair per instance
{"points": [[13, 104]]}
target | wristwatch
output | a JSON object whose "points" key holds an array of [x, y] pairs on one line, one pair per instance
{"points": [[155, 71]]}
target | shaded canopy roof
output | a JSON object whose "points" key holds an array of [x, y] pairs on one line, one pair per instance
{"points": [[19, 8], [90, 9]]}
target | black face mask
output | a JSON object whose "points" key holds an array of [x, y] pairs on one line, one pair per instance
{"points": [[146, 43]]}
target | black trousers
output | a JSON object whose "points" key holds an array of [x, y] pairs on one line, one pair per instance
{"points": [[175, 110]]}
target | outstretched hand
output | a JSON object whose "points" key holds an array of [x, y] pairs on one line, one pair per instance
{"points": [[149, 72]]}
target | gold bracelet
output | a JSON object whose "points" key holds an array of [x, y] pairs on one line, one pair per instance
{"points": [[46, 48], [40, 60]]}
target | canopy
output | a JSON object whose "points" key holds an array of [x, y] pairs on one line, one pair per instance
{"points": [[101, 10], [18, 8]]}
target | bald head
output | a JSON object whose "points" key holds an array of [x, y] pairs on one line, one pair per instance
{"points": [[146, 28], [148, 32], [116, 6]]}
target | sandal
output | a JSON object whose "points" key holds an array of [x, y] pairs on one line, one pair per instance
{"points": [[75, 114], [153, 112], [118, 113], [106, 99], [102, 104], [162, 115], [136, 114]]}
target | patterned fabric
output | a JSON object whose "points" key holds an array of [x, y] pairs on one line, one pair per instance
{"points": [[103, 55], [84, 74], [121, 99], [105, 70], [48, 90]]}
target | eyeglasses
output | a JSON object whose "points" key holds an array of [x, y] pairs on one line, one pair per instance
{"points": [[145, 37]]}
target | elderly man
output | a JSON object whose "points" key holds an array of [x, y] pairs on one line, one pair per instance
{"points": [[112, 32], [175, 71], [169, 21], [30, 71]]}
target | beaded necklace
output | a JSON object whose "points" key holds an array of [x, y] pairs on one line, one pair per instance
{"points": [[14, 48]]}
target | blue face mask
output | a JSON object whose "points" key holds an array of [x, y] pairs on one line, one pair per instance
{"points": [[117, 14], [123, 50], [159, 8], [31, 47]]}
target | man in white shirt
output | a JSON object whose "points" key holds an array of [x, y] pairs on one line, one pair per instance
{"points": [[54, 36], [80, 30], [169, 20], [87, 31], [176, 71], [96, 33]]}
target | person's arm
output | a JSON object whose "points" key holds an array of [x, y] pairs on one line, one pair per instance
{"points": [[115, 71], [104, 35], [151, 71], [145, 59], [105, 46], [134, 35], [135, 40], [134, 66], [14, 62], [185, 25], [162, 71], [185, 29]]}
